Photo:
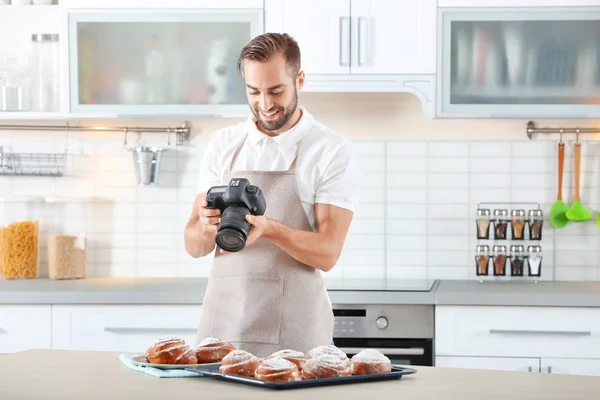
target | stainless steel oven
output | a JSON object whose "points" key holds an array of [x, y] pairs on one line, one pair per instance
{"points": [[404, 333]]}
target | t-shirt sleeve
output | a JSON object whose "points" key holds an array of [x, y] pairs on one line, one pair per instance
{"points": [[341, 181], [210, 171]]}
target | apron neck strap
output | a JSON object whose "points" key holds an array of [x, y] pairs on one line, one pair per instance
{"points": [[292, 167]]}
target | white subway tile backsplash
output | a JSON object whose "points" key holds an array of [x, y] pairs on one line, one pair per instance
{"points": [[415, 218], [448, 149], [448, 164], [407, 180], [398, 195], [489, 149], [411, 149], [406, 164], [441, 180], [448, 196], [490, 165], [407, 242]]}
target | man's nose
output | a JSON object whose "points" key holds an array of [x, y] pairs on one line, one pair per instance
{"points": [[265, 102]]}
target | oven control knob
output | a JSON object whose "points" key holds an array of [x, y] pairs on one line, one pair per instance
{"points": [[382, 322]]}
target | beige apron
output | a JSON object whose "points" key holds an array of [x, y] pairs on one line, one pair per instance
{"points": [[261, 299]]}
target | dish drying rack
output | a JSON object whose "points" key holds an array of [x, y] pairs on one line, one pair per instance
{"points": [[32, 164]]}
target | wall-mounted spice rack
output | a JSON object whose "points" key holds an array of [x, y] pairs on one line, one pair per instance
{"points": [[502, 232]]}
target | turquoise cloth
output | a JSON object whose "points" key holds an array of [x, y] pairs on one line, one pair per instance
{"points": [[159, 373]]}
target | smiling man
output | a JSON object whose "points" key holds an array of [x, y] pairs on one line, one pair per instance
{"points": [[271, 296]]}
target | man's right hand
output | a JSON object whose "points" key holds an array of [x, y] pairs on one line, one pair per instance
{"points": [[201, 228]]}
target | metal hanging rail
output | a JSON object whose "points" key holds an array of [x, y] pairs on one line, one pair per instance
{"points": [[182, 131], [533, 130]]}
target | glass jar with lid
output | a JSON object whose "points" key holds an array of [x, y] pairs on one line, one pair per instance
{"points": [[46, 69], [20, 219], [536, 223], [483, 223], [534, 260], [500, 224], [500, 257], [517, 223], [482, 260], [68, 227], [517, 260]]}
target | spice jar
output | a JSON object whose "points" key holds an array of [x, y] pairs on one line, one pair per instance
{"points": [[517, 223], [517, 260], [482, 259], [500, 224], [534, 260], [67, 242], [20, 218], [536, 222], [483, 223], [500, 257]]}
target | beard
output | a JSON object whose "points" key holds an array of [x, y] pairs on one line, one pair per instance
{"points": [[284, 112]]}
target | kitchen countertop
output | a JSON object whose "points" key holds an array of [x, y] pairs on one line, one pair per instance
{"points": [[56, 374], [191, 291]]}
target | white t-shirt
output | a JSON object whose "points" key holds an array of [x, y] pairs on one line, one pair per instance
{"points": [[327, 168]]}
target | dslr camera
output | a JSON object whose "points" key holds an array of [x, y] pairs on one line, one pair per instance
{"points": [[235, 201]]}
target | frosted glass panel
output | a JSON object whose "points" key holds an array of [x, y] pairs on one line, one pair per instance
{"points": [[524, 62], [160, 63]]}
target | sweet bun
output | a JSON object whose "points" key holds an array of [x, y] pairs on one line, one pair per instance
{"points": [[326, 366], [329, 350], [239, 362], [171, 350], [294, 356], [212, 350], [277, 369], [370, 361]]}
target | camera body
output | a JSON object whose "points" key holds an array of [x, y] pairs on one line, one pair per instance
{"points": [[235, 201]]}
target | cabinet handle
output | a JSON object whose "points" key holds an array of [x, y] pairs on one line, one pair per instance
{"points": [[413, 351], [549, 369], [362, 52], [344, 37], [534, 332], [3, 331], [529, 369], [120, 329]]}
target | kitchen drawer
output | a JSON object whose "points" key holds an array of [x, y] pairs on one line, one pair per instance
{"points": [[518, 331], [122, 328], [24, 327]]}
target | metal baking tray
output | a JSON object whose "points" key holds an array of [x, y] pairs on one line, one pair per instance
{"points": [[213, 372]]}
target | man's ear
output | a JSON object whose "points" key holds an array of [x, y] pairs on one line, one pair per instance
{"points": [[300, 80]]}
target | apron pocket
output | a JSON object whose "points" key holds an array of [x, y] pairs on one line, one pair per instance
{"points": [[248, 309]]}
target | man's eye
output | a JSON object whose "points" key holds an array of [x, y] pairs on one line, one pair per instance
{"points": [[276, 93], [254, 93]]}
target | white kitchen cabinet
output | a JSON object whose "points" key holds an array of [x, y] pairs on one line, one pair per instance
{"points": [[490, 363], [519, 63], [393, 36], [570, 366], [516, 3], [359, 36], [147, 63], [518, 331], [125, 328], [161, 4], [24, 327]]}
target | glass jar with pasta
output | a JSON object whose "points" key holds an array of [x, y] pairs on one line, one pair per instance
{"points": [[67, 221], [20, 218]]}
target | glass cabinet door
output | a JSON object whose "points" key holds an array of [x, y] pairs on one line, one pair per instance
{"points": [[520, 64], [166, 64]]}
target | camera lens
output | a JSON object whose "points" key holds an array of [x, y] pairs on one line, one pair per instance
{"points": [[233, 229]]}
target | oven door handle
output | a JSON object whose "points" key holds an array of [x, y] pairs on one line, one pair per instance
{"points": [[411, 351]]}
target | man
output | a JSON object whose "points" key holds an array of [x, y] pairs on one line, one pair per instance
{"points": [[271, 296]]}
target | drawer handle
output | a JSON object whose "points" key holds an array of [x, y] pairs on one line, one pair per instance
{"points": [[413, 351], [119, 329], [534, 332], [3, 331]]}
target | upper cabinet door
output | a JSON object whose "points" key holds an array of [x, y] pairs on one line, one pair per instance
{"points": [[173, 63], [520, 64], [321, 28], [393, 36]]}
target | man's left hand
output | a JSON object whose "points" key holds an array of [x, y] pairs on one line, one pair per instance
{"points": [[260, 226]]}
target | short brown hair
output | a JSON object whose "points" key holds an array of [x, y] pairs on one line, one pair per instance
{"points": [[263, 47]]}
